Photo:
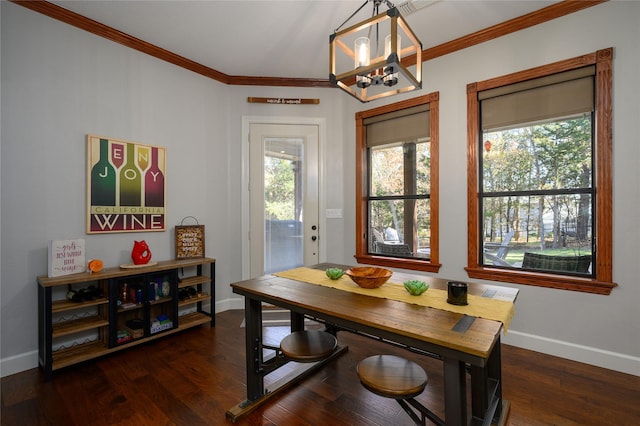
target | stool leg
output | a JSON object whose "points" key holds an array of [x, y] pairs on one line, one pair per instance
{"points": [[424, 411], [410, 412], [297, 321]]}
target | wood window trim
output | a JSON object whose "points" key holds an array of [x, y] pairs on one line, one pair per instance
{"points": [[603, 282], [362, 255]]}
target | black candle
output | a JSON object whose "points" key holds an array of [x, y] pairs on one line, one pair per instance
{"points": [[457, 292]]}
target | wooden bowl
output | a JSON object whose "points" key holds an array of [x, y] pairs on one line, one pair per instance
{"points": [[369, 277]]}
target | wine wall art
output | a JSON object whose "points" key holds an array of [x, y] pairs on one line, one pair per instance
{"points": [[125, 186]]}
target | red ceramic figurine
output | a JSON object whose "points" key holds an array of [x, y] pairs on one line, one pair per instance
{"points": [[140, 254]]}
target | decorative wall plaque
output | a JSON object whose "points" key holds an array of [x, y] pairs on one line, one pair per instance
{"points": [[66, 257], [284, 101], [189, 241]]}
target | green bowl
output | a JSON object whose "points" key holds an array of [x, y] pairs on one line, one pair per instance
{"points": [[416, 287], [334, 273]]}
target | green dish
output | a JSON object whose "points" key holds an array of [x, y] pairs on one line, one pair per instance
{"points": [[334, 273], [416, 287]]}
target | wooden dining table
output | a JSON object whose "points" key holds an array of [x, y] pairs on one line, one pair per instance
{"points": [[466, 344]]}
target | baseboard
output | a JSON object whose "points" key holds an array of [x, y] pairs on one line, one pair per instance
{"points": [[18, 363], [229, 304], [585, 354]]}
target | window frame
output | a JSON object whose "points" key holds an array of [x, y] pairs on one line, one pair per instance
{"points": [[602, 283], [362, 172]]}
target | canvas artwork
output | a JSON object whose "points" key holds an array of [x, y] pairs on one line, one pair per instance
{"points": [[125, 186]]}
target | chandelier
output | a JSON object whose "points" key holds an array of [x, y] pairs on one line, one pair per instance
{"points": [[368, 74]]}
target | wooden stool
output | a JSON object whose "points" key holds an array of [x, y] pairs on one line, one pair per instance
{"points": [[398, 378], [308, 345]]}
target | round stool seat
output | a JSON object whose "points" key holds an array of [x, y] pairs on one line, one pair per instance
{"points": [[392, 376], [308, 345]]}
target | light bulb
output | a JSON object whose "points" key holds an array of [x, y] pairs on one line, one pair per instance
{"points": [[390, 74], [361, 52], [387, 45]]}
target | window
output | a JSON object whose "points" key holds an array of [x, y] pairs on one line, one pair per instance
{"points": [[539, 164], [397, 181]]}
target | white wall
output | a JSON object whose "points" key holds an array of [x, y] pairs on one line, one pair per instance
{"points": [[60, 83]]}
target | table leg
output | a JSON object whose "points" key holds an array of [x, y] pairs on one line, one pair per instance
{"points": [[253, 348], [495, 376], [486, 389], [455, 392], [479, 392]]}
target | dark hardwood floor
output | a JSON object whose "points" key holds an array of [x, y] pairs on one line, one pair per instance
{"points": [[194, 377]]}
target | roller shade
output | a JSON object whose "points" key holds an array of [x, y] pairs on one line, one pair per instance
{"points": [[533, 101], [408, 124]]}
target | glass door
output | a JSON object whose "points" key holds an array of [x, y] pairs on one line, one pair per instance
{"points": [[284, 197]]}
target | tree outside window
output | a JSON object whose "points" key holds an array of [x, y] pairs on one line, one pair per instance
{"points": [[537, 189]]}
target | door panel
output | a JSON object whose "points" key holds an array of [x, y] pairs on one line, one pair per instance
{"points": [[283, 203]]}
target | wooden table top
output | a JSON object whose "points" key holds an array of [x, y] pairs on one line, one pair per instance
{"points": [[409, 322]]}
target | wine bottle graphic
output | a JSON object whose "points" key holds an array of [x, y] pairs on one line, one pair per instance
{"points": [[117, 155], [154, 182], [103, 179], [142, 158], [130, 180]]}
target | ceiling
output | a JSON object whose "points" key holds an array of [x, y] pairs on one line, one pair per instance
{"points": [[282, 38]]}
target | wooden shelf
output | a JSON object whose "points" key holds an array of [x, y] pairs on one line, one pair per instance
{"points": [[78, 353], [191, 320], [195, 299], [191, 281], [108, 273], [76, 325], [161, 300], [67, 305], [130, 308]]}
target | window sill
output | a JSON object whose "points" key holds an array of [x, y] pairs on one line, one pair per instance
{"points": [[394, 262], [586, 285]]}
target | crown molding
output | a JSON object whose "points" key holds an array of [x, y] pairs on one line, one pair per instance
{"points": [[59, 13]]}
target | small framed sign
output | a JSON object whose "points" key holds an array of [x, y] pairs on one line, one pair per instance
{"points": [[284, 101], [189, 241], [66, 257]]}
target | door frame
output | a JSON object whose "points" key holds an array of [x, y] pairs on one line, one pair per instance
{"points": [[247, 121]]}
